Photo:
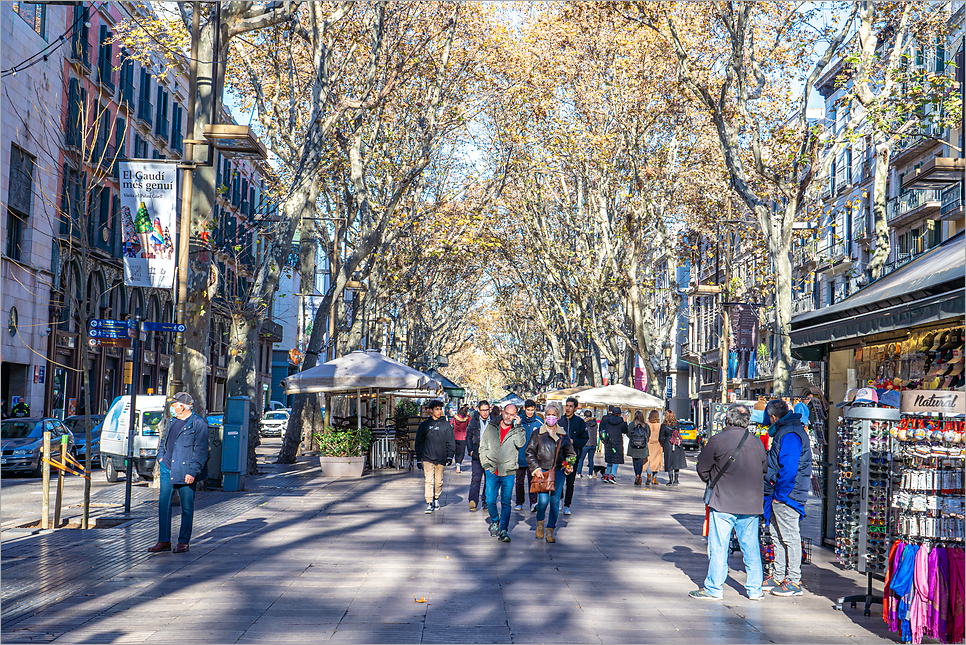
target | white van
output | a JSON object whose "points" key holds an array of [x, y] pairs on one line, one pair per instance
{"points": [[147, 434]]}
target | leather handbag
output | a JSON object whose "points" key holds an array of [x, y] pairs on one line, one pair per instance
{"points": [[544, 482], [724, 468]]}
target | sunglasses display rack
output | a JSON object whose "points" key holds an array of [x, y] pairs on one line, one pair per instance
{"points": [[864, 479]]}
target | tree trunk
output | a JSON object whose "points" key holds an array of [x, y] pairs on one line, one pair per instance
{"points": [[242, 354], [879, 184], [781, 250]]}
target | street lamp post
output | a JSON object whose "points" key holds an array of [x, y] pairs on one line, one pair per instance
{"points": [[667, 374]]}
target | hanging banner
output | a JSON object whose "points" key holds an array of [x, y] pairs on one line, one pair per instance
{"points": [[148, 223], [743, 340]]}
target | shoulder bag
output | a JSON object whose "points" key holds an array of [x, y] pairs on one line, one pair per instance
{"points": [[731, 459], [544, 482]]}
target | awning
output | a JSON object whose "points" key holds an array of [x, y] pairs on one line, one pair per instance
{"points": [[560, 395], [360, 370], [619, 395], [928, 289], [452, 390]]}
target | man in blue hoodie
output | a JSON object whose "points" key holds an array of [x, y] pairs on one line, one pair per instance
{"points": [[786, 491], [530, 422]]}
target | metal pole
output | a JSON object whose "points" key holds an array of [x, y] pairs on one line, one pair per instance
{"points": [[45, 499], [58, 505], [135, 379], [176, 383], [725, 317], [333, 308]]}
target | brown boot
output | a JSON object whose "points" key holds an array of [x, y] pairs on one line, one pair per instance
{"points": [[472, 506], [550, 537], [540, 524], [159, 547], [648, 482], [637, 480]]}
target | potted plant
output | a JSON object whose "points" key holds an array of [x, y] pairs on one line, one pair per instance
{"points": [[342, 453]]}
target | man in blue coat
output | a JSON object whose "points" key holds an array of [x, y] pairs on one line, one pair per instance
{"points": [[530, 422], [181, 457], [786, 491]]}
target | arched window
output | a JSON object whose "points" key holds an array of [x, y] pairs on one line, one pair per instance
{"points": [[154, 314], [137, 302], [118, 299]]}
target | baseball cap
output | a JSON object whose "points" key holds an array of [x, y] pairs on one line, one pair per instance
{"points": [[866, 395], [183, 398], [849, 398], [890, 398], [926, 344], [954, 341]]}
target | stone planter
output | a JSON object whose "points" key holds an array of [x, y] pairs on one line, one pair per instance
{"points": [[342, 466]]}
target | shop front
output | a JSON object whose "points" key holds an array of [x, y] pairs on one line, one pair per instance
{"points": [[904, 332]]}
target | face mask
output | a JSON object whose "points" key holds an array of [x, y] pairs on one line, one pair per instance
{"points": [[173, 413], [551, 420]]}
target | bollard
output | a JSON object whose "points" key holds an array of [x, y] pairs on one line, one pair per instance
{"points": [[60, 481], [45, 503]]}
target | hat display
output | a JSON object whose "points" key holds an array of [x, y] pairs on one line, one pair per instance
{"points": [[866, 395], [849, 398], [926, 343], [954, 341], [890, 398], [957, 356]]}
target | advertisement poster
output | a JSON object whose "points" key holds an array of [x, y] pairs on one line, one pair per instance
{"points": [[744, 340], [149, 223]]}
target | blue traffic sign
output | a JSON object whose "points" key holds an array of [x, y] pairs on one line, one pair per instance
{"points": [[107, 323], [168, 327], [108, 333]]}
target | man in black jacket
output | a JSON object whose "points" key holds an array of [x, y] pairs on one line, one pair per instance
{"points": [[473, 432], [577, 430], [734, 502], [182, 454], [435, 447]]}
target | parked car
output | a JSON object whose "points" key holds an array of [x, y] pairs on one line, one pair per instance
{"points": [[149, 424], [690, 437], [22, 441], [276, 405], [274, 423], [76, 425]]}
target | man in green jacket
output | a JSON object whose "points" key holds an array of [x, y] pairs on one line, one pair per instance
{"points": [[500, 446]]}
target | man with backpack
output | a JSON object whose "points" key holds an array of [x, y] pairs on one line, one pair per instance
{"points": [[732, 464]]}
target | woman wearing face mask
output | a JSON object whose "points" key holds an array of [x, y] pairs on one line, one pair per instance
{"points": [[548, 448]]}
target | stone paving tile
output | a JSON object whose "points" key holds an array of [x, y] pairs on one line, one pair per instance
{"points": [[341, 563]]}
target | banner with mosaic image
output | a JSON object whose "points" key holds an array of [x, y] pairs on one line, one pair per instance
{"points": [[148, 220]]}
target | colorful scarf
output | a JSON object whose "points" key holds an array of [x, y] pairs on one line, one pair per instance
{"points": [[919, 606], [895, 597], [938, 594], [902, 584], [956, 622], [895, 551]]}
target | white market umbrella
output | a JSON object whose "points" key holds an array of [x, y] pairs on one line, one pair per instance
{"points": [[360, 370], [619, 395]]}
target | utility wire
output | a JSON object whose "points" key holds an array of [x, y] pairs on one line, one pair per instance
{"points": [[34, 59]]}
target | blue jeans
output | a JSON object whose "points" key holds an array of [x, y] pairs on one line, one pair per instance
{"points": [[187, 494], [719, 535], [611, 469], [551, 500], [588, 452], [502, 486]]}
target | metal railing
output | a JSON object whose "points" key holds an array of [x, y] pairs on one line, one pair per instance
{"points": [[951, 199], [904, 204]]}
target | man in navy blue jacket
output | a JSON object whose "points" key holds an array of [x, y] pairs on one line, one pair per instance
{"points": [[182, 455], [786, 491]]}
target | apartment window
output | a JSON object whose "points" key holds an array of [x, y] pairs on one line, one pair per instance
{"points": [[144, 98], [76, 100], [105, 54], [177, 140], [80, 34], [35, 13], [127, 79], [161, 122], [72, 200], [235, 190], [245, 204], [19, 199], [120, 139]]}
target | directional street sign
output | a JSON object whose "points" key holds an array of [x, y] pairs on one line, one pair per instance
{"points": [[167, 327], [107, 323], [107, 333], [110, 342]]}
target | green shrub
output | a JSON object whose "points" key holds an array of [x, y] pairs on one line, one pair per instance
{"points": [[343, 443]]}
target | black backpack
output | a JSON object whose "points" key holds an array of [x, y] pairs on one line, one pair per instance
{"points": [[639, 437]]}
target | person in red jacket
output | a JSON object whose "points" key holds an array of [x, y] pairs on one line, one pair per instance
{"points": [[460, 423]]}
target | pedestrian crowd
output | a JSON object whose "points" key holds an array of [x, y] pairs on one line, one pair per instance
{"points": [[520, 459]]}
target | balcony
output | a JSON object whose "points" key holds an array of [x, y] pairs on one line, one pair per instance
{"points": [[913, 205], [765, 367], [902, 258], [913, 144], [802, 305], [104, 155], [952, 201], [806, 255], [145, 113], [833, 254], [105, 75], [862, 230]]}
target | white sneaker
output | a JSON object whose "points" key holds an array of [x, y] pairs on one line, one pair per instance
{"points": [[518, 507], [533, 508], [566, 510], [579, 476]]}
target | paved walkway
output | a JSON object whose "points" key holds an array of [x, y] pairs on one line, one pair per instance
{"points": [[342, 561]]}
